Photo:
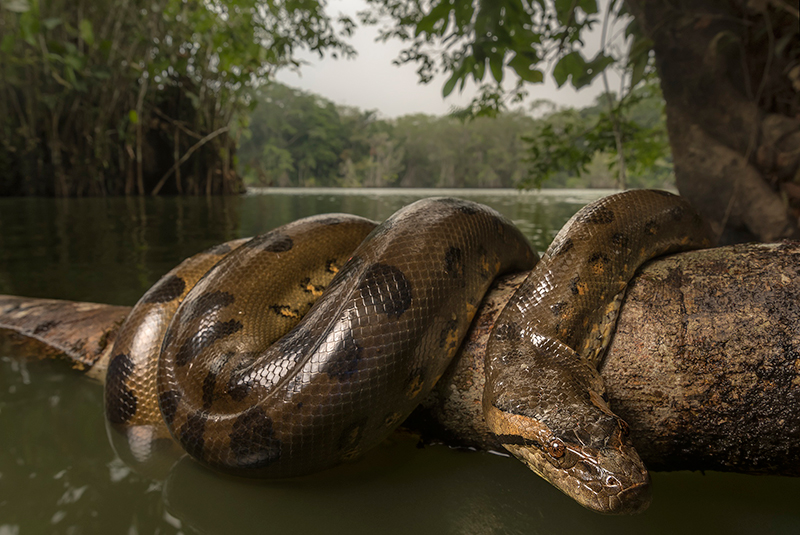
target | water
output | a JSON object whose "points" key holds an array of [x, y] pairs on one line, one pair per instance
{"points": [[58, 474]]}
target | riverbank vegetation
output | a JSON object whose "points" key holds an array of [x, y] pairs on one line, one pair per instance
{"points": [[167, 97], [301, 139]]}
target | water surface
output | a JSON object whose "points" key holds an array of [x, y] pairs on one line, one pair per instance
{"points": [[58, 473]]}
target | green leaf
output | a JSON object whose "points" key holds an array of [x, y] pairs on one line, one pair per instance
{"points": [[572, 64], [588, 6], [133, 117], [564, 10], [591, 70], [440, 11], [638, 58], [524, 68], [450, 84], [85, 28], [496, 64]]}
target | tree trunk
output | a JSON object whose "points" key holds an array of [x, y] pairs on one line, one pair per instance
{"points": [[704, 365], [730, 75]]}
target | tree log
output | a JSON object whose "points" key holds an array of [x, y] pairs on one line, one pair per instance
{"points": [[704, 365]]}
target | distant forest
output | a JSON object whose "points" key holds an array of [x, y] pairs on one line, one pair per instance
{"points": [[295, 138]]}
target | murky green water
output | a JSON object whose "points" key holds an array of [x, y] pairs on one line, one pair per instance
{"points": [[58, 474]]}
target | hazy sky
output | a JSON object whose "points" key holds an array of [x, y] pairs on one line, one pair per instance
{"points": [[370, 81]]}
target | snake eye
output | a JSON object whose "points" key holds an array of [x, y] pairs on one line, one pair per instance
{"points": [[612, 481], [555, 448]]}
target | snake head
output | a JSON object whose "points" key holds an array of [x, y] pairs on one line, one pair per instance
{"points": [[607, 477]]}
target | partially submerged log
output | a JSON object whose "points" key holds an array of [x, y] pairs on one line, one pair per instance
{"points": [[82, 332], [704, 366]]}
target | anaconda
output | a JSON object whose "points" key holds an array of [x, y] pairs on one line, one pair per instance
{"points": [[248, 387]]}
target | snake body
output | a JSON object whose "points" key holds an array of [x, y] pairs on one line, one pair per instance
{"points": [[544, 396], [247, 387]]}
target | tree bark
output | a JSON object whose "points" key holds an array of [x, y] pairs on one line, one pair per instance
{"points": [[730, 75], [704, 365]]}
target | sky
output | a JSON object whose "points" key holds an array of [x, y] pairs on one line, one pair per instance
{"points": [[371, 82]]}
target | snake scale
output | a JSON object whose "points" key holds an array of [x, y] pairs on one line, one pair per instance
{"points": [[304, 347]]}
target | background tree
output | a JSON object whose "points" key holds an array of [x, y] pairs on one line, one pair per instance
{"points": [[729, 71], [115, 96]]}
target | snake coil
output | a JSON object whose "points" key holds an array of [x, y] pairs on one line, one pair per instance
{"points": [[304, 347]]}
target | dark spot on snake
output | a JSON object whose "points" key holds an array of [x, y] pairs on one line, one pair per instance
{"points": [[506, 331], [219, 250], [598, 260], [414, 383], [121, 402], [240, 382], [619, 240], [168, 402], [447, 337], [285, 311], [280, 244], [597, 215], [209, 383], [499, 229], [559, 308], [573, 285], [454, 262], [651, 227], [677, 213], [345, 273], [345, 359], [207, 303], [165, 290], [274, 242], [562, 247], [391, 419], [253, 441], [351, 436], [45, 326], [468, 209], [203, 338], [309, 288], [387, 289], [331, 267], [192, 434]]}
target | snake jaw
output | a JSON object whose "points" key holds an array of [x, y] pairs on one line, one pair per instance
{"points": [[609, 481], [607, 477]]}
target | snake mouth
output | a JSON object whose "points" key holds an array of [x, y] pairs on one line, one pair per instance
{"points": [[609, 482], [631, 501]]}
